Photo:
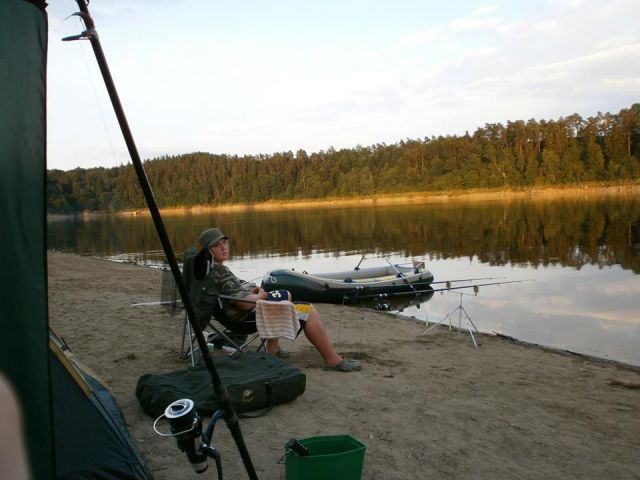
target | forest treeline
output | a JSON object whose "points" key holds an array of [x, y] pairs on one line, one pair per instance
{"points": [[522, 154]]}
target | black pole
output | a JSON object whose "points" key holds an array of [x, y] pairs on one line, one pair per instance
{"points": [[230, 416]]}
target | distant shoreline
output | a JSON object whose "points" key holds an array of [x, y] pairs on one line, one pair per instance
{"points": [[406, 198]]}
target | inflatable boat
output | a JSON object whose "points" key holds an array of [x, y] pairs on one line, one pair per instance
{"points": [[347, 286]]}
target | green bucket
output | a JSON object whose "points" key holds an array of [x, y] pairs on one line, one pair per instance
{"points": [[335, 457]]}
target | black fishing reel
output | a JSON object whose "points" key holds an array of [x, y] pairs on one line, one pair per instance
{"points": [[186, 428], [382, 306]]}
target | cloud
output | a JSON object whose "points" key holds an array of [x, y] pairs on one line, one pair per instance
{"points": [[567, 3], [619, 84], [617, 56], [540, 63], [486, 8], [255, 90], [473, 23], [615, 67], [420, 38]]}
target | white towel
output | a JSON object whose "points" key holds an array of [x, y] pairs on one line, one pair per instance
{"points": [[277, 319]]}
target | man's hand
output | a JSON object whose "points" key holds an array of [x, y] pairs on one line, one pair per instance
{"points": [[256, 293], [259, 292]]}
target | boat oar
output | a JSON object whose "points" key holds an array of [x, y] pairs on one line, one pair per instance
{"points": [[400, 275]]}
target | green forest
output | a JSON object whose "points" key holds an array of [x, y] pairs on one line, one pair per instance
{"points": [[523, 154]]}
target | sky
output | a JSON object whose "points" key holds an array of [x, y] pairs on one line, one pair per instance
{"points": [[259, 77]]}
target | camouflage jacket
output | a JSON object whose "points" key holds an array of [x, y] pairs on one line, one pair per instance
{"points": [[220, 280]]}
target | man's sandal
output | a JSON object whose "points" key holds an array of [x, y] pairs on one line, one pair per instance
{"points": [[345, 365]]}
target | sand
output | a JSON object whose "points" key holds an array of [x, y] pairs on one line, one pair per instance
{"points": [[425, 406], [586, 191]]}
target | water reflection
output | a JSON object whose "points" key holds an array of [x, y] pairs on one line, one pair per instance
{"points": [[566, 232], [593, 310], [583, 254], [397, 303]]}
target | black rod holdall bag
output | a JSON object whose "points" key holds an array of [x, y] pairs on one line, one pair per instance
{"points": [[254, 380]]}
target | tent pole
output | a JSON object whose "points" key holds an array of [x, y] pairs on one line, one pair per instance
{"points": [[230, 416]]}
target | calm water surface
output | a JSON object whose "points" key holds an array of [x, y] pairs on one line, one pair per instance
{"points": [[583, 254]]}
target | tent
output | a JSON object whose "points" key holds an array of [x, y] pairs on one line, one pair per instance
{"points": [[93, 441], [72, 426]]}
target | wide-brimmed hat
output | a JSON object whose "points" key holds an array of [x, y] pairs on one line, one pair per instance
{"points": [[211, 236]]}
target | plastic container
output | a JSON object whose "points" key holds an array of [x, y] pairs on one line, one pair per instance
{"points": [[334, 457]]}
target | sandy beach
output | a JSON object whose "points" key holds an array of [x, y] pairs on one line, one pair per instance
{"points": [[587, 191], [425, 406]]}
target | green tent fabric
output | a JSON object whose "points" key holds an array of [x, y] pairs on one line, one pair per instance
{"points": [[72, 425], [23, 284]]}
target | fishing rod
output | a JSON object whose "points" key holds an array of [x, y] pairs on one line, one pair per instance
{"points": [[148, 304], [475, 287], [224, 297], [403, 287], [230, 416], [449, 282]]}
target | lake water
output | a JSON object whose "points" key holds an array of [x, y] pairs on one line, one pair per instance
{"points": [[579, 259]]}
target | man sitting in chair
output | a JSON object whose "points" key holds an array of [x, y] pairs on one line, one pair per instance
{"points": [[226, 283]]}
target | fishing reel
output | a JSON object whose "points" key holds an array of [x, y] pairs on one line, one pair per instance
{"points": [[382, 306], [186, 428]]}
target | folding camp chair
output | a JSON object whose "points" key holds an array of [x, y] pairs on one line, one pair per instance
{"points": [[194, 267], [273, 319]]}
